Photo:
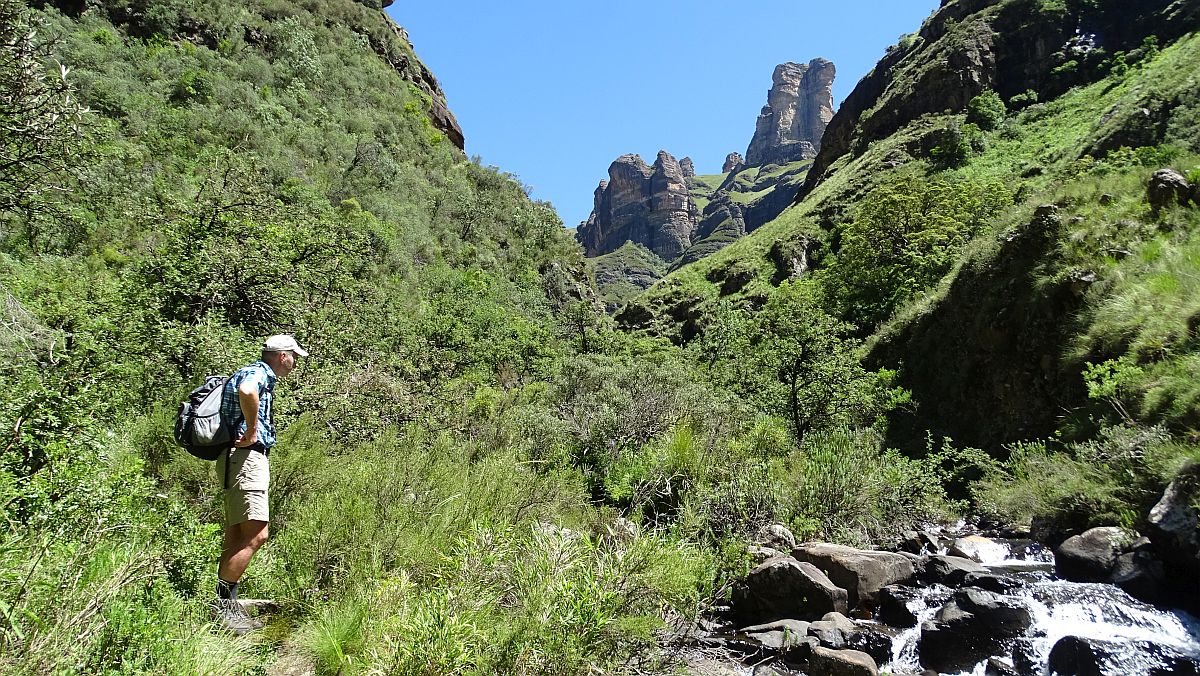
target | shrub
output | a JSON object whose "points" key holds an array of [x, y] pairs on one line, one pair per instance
{"points": [[986, 110]]}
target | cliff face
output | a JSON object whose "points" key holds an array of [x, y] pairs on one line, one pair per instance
{"points": [[799, 106], [969, 46], [646, 205]]}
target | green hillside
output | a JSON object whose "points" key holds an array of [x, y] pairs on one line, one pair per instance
{"points": [[973, 311]]}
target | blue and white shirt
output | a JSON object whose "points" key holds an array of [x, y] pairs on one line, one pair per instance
{"points": [[260, 374]]}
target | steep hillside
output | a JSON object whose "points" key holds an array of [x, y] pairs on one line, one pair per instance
{"points": [[922, 114]]}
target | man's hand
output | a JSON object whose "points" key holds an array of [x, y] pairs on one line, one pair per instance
{"points": [[247, 439]]}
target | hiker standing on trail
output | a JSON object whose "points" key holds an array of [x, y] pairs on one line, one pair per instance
{"points": [[245, 472]]}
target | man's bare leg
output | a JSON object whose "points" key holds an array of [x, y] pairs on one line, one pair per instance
{"points": [[242, 540]]}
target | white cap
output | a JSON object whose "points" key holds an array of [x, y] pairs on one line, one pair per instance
{"points": [[284, 343]]}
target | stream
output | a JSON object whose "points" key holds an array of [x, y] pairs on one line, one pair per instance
{"points": [[1138, 633]]}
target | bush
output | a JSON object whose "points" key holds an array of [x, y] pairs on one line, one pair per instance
{"points": [[986, 110]]}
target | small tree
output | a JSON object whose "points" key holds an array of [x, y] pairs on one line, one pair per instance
{"points": [[797, 362], [986, 110]]}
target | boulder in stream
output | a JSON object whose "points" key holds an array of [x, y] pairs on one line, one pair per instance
{"points": [[1078, 656], [973, 626], [949, 570], [862, 573], [1174, 528], [784, 588], [1091, 555]]}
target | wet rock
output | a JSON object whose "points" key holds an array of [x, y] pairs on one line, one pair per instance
{"points": [[998, 667], [768, 670], [949, 570], [827, 662], [779, 635], [1141, 574], [894, 610], [1174, 527], [998, 584], [1078, 656], [873, 642], [972, 627], [977, 548], [1168, 187], [1091, 555], [918, 542], [783, 588], [862, 573]]}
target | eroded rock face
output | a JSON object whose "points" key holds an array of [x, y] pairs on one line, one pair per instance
{"points": [[799, 107], [414, 71], [733, 162], [647, 205], [686, 166]]}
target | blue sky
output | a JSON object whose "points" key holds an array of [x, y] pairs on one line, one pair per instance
{"points": [[553, 92]]}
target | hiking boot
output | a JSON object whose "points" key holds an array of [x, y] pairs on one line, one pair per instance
{"points": [[230, 615], [254, 621]]}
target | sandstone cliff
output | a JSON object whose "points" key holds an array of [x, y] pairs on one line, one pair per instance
{"points": [[646, 205], [799, 106]]}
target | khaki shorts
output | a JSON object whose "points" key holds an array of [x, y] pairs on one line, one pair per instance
{"points": [[249, 477], [245, 506]]}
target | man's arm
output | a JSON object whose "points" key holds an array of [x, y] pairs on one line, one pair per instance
{"points": [[248, 402]]}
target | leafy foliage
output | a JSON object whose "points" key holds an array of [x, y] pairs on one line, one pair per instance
{"points": [[903, 238]]}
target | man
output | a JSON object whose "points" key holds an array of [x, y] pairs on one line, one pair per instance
{"points": [[245, 472]]}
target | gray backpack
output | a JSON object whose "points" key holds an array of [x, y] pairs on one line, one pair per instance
{"points": [[200, 428]]}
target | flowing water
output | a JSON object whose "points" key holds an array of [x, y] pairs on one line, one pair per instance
{"points": [[1059, 609]]}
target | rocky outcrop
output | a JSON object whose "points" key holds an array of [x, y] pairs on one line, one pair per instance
{"points": [[970, 46], [799, 106], [647, 205], [733, 162], [686, 166], [411, 69], [1168, 187]]}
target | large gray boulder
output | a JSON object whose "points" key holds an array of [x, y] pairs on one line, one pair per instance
{"points": [[1173, 527], [1091, 555], [862, 573], [784, 588], [827, 662], [973, 626], [949, 570], [1168, 187]]}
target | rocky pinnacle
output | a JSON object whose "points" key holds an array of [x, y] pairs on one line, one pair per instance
{"points": [[799, 106]]}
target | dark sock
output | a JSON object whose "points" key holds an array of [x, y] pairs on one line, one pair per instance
{"points": [[226, 589]]}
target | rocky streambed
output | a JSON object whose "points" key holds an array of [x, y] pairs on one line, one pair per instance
{"points": [[963, 605]]}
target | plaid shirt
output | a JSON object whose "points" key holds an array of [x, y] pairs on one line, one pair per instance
{"points": [[261, 375]]}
